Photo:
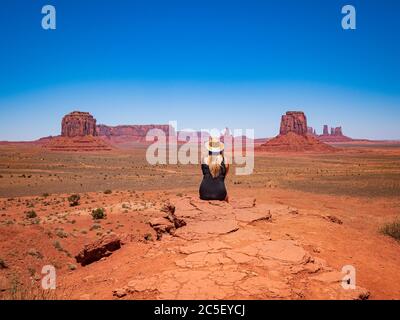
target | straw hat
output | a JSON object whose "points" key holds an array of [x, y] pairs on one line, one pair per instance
{"points": [[214, 145]]}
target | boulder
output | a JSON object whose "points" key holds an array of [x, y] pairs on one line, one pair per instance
{"points": [[98, 249]]}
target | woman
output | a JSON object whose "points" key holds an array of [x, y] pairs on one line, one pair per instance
{"points": [[214, 172]]}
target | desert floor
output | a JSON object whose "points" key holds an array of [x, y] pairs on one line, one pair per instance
{"points": [[286, 233]]}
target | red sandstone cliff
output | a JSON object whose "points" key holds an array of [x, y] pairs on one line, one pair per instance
{"points": [[126, 133]]}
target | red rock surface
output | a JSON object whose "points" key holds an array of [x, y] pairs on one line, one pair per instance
{"points": [[78, 124]]}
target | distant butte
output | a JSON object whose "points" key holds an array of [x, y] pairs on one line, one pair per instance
{"points": [[294, 136], [80, 132], [335, 134]]}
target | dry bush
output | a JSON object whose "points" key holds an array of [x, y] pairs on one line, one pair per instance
{"points": [[392, 229]]}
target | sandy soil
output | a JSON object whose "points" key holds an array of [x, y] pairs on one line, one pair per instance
{"points": [[286, 233]]}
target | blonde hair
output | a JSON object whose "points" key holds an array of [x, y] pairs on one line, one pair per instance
{"points": [[214, 163]]}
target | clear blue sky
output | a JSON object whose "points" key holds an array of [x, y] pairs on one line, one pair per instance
{"points": [[203, 63]]}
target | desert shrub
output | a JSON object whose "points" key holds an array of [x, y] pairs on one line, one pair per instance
{"points": [[61, 233], [72, 267], [98, 213], [3, 264], [45, 195], [35, 253], [19, 290], [392, 229], [58, 246], [108, 191], [74, 200], [31, 214]]}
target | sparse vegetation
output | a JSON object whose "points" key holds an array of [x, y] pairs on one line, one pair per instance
{"points": [[61, 233], [108, 191], [30, 291], [392, 229], [57, 245], [35, 253], [30, 214], [98, 214], [74, 200], [72, 267]]}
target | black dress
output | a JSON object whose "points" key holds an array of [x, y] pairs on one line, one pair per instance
{"points": [[213, 188]]}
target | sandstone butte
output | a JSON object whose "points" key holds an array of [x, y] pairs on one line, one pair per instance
{"points": [[294, 136], [79, 132], [335, 134]]}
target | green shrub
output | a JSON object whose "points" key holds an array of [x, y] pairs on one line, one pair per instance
{"points": [[31, 214], [392, 229], [74, 200], [98, 213], [72, 267]]}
